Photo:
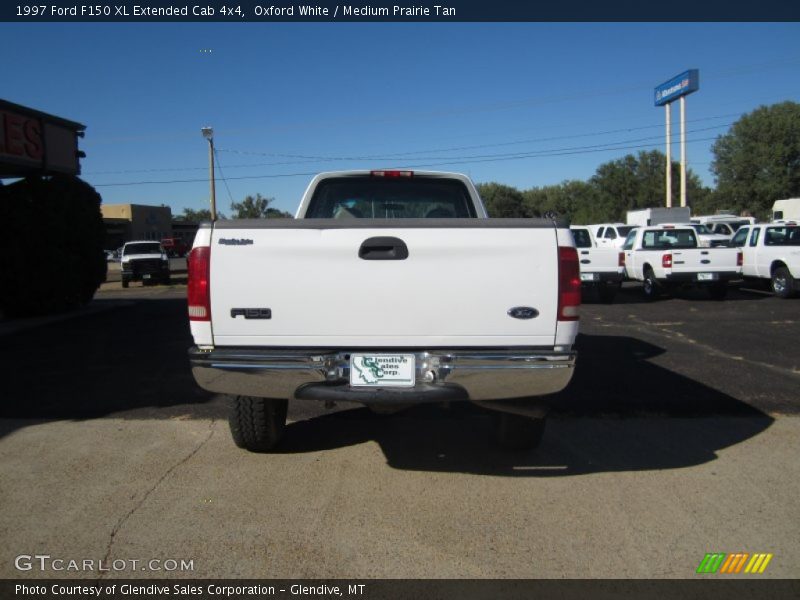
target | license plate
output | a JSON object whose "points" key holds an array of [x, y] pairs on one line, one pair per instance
{"points": [[146, 276], [382, 370], [588, 276], [706, 276]]}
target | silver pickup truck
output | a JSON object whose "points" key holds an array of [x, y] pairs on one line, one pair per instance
{"points": [[389, 288]]}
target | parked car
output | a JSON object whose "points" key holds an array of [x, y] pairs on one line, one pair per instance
{"points": [[390, 288], [771, 253], [144, 261], [664, 258], [175, 247], [610, 235], [602, 269]]}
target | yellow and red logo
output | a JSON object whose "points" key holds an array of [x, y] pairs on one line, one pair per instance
{"points": [[731, 564]]}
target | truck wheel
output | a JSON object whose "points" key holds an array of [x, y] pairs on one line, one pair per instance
{"points": [[257, 424], [718, 291], [650, 286], [516, 432], [124, 282], [782, 283]]}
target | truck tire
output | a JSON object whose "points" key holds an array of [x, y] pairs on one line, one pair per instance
{"points": [[650, 286], [517, 432], [782, 283], [124, 282], [257, 424], [718, 291]]}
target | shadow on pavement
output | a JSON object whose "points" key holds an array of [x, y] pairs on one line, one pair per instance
{"points": [[613, 385], [131, 362], [130, 359]]}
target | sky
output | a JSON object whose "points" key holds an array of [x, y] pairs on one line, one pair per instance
{"points": [[523, 104]]}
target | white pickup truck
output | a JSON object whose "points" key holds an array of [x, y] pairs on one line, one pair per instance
{"points": [[771, 252], [389, 288], [602, 269], [665, 257]]}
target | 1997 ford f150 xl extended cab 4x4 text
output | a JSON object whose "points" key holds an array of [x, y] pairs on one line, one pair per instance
{"points": [[389, 288]]}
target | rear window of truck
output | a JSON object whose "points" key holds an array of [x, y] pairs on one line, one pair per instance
{"points": [[390, 198], [669, 238], [582, 238]]}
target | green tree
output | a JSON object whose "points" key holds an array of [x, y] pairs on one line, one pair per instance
{"points": [[257, 207], [634, 182], [197, 216], [758, 160], [502, 200]]}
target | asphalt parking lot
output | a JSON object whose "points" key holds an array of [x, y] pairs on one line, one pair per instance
{"points": [[678, 436]]}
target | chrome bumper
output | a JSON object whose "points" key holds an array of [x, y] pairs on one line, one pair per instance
{"points": [[441, 375]]}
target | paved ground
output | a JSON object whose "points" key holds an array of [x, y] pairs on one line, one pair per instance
{"points": [[678, 436]]}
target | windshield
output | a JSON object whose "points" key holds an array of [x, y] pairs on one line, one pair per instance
{"points": [[582, 238], [142, 248], [625, 230], [702, 229], [367, 197]]}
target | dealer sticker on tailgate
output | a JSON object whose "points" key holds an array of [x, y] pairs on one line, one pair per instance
{"points": [[382, 370]]}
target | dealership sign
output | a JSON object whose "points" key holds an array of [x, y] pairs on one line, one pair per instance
{"points": [[683, 84], [35, 142]]}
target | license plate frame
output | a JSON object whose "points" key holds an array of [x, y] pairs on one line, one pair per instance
{"points": [[382, 370]]}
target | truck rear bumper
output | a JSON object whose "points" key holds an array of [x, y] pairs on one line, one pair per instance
{"points": [[692, 277], [441, 375]]}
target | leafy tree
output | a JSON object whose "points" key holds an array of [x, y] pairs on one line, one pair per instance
{"points": [[635, 182], [502, 200], [758, 160], [197, 216], [257, 207]]}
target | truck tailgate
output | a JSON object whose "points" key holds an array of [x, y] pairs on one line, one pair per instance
{"points": [[306, 286], [709, 260]]}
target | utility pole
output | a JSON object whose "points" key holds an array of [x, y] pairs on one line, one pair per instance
{"points": [[208, 133], [668, 110]]}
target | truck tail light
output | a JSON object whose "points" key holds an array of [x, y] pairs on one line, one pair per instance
{"points": [[666, 261], [569, 284], [621, 260], [739, 259], [199, 285]]}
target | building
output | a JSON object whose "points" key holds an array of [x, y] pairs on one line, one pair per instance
{"points": [[126, 222]]}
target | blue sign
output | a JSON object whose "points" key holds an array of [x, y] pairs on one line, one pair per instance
{"points": [[683, 84]]}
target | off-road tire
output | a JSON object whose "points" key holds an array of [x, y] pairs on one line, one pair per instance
{"points": [[257, 424], [516, 432]]}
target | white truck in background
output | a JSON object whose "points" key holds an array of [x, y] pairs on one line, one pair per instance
{"points": [[656, 216], [771, 252], [667, 257], [602, 269], [786, 210], [389, 288]]}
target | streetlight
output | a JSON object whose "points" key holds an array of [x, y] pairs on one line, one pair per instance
{"points": [[208, 133]]}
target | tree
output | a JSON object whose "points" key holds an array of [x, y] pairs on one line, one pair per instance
{"points": [[197, 216], [634, 182], [758, 160], [502, 200], [257, 207]]}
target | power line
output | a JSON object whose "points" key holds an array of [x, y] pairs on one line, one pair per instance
{"points": [[222, 175], [417, 166]]}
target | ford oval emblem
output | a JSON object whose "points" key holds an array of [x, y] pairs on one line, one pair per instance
{"points": [[523, 312]]}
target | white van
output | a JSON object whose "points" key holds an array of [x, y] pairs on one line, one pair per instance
{"points": [[786, 210]]}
